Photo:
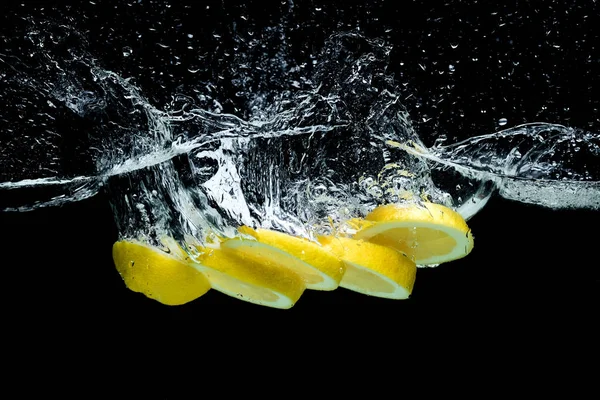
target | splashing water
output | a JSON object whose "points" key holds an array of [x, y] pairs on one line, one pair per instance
{"points": [[316, 142], [544, 164]]}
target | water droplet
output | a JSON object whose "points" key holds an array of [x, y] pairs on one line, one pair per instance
{"points": [[190, 35], [502, 121], [454, 45], [127, 51]]}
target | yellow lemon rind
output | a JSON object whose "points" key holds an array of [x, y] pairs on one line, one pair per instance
{"points": [[158, 275], [372, 269], [430, 216], [264, 284], [321, 269], [424, 212]]}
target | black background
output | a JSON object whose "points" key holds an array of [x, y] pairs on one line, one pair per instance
{"points": [[531, 268]]}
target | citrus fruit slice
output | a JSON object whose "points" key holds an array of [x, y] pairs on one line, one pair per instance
{"points": [[263, 283], [319, 268], [428, 233], [372, 269], [158, 275]]}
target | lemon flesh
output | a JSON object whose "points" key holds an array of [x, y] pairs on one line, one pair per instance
{"points": [[263, 283], [429, 234], [319, 268], [158, 275], [372, 269]]}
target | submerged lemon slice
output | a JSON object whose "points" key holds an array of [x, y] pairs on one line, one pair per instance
{"points": [[158, 275], [429, 234], [319, 268], [264, 283], [372, 269]]}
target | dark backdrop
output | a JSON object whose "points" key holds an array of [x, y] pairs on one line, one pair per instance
{"points": [[531, 267]]}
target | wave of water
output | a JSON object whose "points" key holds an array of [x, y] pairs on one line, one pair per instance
{"points": [[538, 163]]}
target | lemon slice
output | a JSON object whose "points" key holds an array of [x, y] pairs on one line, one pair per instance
{"points": [[428, 233], [263, 283], [158, 275], [372, 269], [319, 268]]}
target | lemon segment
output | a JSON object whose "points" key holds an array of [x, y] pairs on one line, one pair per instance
{"points": [[158, 275], [319, 268], [429, 234], [263, 283], [372, 269]]}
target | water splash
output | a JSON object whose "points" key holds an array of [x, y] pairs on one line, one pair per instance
{"points": [[314, 141], [544, 164]]}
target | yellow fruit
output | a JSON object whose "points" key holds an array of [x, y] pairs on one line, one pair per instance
{"points": [[158, 275], [373, 269], [259, 282], [428, 233], [319, 268]]}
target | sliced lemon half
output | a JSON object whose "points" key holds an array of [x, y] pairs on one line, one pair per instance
{"points": [[373, 269], [428, 233], [260, 282], [319, 268], [158, 275]]}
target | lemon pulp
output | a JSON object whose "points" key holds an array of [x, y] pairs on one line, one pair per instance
{"points": [[256, 281], [373, 269], [320, 269], [429, 234]]}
